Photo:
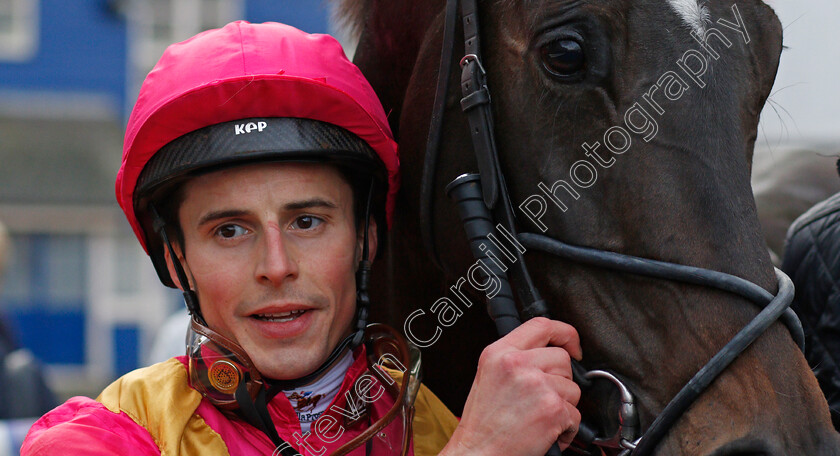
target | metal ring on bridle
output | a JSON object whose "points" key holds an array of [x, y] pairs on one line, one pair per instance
{"points": [[628, 418], [629, 447]]}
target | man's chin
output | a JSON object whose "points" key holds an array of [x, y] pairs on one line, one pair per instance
{"points": [[288, 366], [292, 361]]}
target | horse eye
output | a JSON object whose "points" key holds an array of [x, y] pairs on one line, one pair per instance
{"points": [[563, 58]]}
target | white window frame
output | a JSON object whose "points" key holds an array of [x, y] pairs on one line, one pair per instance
{"points": [[20, 43], [184, 22]]}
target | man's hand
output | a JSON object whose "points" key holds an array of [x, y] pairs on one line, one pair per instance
{"points": [[523, 398]]}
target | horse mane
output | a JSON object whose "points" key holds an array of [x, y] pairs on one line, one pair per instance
{"points": [[349, 15], [386, 36]]}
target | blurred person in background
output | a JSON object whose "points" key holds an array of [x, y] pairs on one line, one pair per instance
{"points": [[6, 339], [812, 260], [170, 338], [24, 394]]}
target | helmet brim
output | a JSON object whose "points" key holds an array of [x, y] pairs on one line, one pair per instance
{"points": [[243, 142]]}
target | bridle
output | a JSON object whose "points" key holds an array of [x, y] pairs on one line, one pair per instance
{"points": [[484, 202]]}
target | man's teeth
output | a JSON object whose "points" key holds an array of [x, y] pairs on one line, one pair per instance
{"points": [[280, 317]]}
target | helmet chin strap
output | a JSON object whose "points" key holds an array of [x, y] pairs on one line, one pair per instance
{"points": [[255, 411]]}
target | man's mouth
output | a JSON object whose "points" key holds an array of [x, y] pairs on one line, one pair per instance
{"points": [[279, 317]]}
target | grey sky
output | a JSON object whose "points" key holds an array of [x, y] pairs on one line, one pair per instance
{"points": [[809, 75]]}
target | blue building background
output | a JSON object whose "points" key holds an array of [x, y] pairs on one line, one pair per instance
{"points": [[81, 47], [78, 290]]}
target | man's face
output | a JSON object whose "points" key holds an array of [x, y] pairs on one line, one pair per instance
{"points": [[271, 251]]}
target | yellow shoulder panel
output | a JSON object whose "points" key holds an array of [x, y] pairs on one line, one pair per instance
{"points": [[433, 423], [159, 398]]}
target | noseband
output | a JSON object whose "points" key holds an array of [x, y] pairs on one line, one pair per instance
{"points": [[483, 202]]}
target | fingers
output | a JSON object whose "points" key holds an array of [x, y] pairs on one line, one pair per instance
{"points": [[569, 391], [551, 360], [534, 370], [524, 385], [569, 422], [542, 332]]}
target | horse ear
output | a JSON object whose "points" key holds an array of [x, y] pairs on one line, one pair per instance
{"points": [[764, 51], [767, 49]]}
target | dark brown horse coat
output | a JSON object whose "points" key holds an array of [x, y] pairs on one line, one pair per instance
{"points": [[623, 126]]}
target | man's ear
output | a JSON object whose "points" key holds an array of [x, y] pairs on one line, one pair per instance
{"points": [[171, 266], [373, 240]]}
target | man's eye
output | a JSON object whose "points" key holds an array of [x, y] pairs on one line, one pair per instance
{"points": [[230, 231], [307, 222]]}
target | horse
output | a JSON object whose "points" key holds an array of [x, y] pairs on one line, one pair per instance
{"points": [[621, 126]]}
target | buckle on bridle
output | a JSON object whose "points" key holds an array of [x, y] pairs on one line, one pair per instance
{"points": [[466, 59]]}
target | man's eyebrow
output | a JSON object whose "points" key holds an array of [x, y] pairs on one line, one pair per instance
{"points": [[309, 203], [224, 213], [292, 206]]}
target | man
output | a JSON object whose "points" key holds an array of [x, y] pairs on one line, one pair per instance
{"points": [[812, 259], [258, 172], [25, 393]]}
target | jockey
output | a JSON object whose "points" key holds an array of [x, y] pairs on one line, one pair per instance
{"points": [[259, 173]]}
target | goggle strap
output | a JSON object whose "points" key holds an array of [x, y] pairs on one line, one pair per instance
{"points": [[256, 413], [363, 278], [190, 298], [365, 248]]}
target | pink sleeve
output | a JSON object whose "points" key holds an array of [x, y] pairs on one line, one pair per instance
{"points": [[82, 426]]}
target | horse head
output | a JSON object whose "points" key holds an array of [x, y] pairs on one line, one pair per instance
{"points": [[621, 126]]}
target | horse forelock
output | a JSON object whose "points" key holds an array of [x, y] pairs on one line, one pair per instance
{"points": [[693, 13]]}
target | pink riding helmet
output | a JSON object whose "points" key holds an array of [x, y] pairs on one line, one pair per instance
{"points": [[254, 74]]}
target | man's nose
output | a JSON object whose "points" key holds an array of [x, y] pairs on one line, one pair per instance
{"points": [[276, 262]]}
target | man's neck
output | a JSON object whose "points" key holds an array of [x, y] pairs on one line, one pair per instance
{"points": [[311, 400]]}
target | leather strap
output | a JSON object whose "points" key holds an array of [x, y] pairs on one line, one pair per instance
{"points": [[427, 182], [476, 105]]}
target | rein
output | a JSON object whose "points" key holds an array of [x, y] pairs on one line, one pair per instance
{"points": [[483, 201]]}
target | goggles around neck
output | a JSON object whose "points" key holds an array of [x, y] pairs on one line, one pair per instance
{"points": [[396, 364], [219, 368]]}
